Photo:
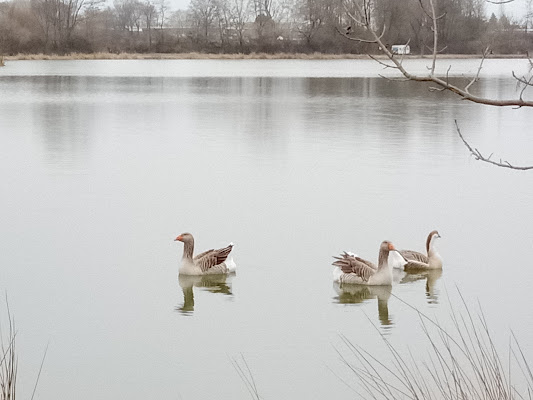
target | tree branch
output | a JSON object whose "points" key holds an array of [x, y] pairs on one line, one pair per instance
{"points": [[464, 93], [363, 19], [478, 156], [476, 78]]}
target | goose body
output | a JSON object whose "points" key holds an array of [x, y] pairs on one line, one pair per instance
{"points": [[353, 269], [210, 262], [413, 260]]}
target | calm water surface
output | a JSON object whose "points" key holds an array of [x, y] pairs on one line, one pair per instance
{"points": [[104, 163]]}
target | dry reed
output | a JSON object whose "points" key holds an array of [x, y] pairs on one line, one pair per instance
{"points": [[8, 361], [245, 373], [463, 363]]}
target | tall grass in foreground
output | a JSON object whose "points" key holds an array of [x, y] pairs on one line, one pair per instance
{"points": [[8, 361], [462, 363], [245, 373]]}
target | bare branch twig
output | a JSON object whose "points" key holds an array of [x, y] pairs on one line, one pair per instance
{"points": [[478, 156], [476, 78]]}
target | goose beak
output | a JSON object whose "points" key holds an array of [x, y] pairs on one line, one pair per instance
{"points": [[179, 238], [391, 247]]}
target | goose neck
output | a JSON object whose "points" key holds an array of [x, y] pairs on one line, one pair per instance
{"points": [[188, 249], [429, 242], [383, 258]]}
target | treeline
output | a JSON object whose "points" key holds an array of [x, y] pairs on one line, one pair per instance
{"points": [[229, 26]]}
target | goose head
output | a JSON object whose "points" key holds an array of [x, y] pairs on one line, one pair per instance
{"points": [[185, 238], [384, 250], [387, 246]]}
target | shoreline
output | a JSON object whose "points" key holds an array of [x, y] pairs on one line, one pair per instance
{"points": [[240, 56]]}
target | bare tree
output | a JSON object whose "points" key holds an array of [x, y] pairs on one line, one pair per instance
{"points": [[361, 14], [149, 14], [203, 14], [58, 19], [223, 18], [264, 11], [239, 16], [312, 18], [529, 15], [162, 8]]}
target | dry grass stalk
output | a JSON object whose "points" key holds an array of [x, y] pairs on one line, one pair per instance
{"points": [[463, 363], [245, 373], [8, 361]]}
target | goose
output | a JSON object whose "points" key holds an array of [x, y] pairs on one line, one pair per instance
{"points": [[209, 262], [413, 260], [353, 269]]}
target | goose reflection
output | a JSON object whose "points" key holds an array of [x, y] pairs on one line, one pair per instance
{"points": [[431, 277], [211, 283], [357, 294]]}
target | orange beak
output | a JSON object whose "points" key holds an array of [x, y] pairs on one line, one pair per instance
{"points": [[179, 238], [391, 246]]}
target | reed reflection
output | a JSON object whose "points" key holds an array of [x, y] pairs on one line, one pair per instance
{"points": [[431, 277], [211, 283], [358, 294]]}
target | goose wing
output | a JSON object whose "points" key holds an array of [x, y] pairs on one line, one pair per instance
{"points": [[208, 259], [411, 255], [414, 259], [356, 265]]}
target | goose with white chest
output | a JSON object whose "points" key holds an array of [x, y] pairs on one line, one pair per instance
{"points": [[413, 260], [353, 269], [214, 261]]}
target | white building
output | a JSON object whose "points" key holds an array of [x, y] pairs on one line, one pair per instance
{"points": [[401, 49]]}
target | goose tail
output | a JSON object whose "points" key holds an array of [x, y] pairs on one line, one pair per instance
{"points": [[230, 265]]}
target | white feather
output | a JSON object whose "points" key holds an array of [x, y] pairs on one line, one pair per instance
{"points": [[337, 273], [396, 260], [230, 264]]}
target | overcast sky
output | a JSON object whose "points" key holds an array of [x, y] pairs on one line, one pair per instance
{"points": [[515, 9]]}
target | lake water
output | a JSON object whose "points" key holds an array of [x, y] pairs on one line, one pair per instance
{"points": [[104, 163]]}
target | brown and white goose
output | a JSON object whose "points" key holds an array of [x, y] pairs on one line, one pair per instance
{"points": [[209, 262], [413, 260], [353, 269]]}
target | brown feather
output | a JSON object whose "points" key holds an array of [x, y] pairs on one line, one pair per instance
{"points": [[414, 255], [356, 265], [211, 258]]}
